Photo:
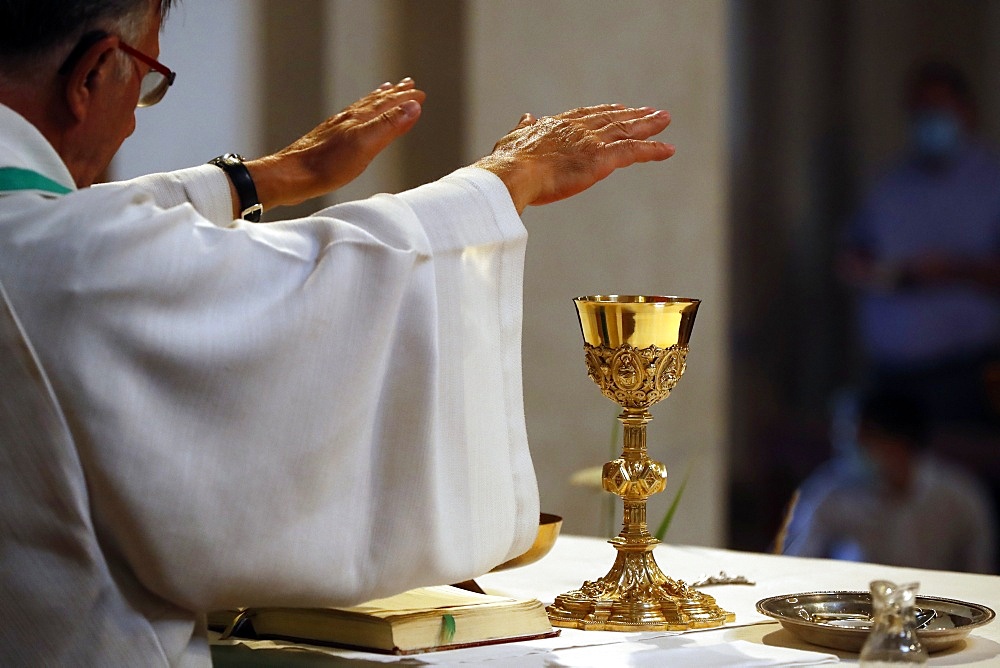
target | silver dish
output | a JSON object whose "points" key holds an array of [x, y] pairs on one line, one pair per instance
{"points": [[842, 619]]}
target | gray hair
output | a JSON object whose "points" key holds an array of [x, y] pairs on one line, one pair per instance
{"points": [[38, 34]]}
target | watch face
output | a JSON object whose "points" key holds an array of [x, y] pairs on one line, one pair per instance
{"points": [[227, 160]]}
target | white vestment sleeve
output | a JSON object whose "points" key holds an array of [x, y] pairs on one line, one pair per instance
{"points": [[205, 187], [302, 413]]}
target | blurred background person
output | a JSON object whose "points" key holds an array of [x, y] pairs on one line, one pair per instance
{"points": [[884, 499], [924, 256]]}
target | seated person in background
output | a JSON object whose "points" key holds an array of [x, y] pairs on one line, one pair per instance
{"points": [[889, 502]]}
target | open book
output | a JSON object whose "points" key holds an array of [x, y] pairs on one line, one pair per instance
{"points": [[420, 620]]}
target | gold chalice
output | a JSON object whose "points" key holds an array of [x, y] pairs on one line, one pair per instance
{"points": [[636, 349]]}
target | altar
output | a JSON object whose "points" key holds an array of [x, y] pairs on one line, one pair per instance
{"points": [[752, 640]]}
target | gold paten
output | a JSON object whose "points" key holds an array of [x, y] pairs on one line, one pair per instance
{"points": [[548, 531], [636, 349]]}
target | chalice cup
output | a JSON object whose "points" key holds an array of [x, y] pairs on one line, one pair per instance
{"points": [[636, 350]]}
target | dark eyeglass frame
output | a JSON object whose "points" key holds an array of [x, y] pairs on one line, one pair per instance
{"points": [[154, 83]]}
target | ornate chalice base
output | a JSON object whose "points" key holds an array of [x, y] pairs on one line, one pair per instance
{"points": [[635, 595]]}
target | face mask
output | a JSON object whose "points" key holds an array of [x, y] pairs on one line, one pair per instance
{"points": [[936, 134]]}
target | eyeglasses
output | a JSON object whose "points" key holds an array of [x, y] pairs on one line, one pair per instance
{"points": [[154, 83]]}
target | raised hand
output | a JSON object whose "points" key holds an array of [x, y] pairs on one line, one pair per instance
{"points": [[339, 149], [551, 158]]}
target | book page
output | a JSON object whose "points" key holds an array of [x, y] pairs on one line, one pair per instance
{"points": [[426, 598]]}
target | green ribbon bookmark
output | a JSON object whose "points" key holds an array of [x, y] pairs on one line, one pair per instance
{"points": [[15, 178], [447, 629]]}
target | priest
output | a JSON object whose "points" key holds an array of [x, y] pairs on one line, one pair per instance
{"points": [[199, 411]]}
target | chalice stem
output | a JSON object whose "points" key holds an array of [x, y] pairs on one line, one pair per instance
{"points": [[635, 531]]}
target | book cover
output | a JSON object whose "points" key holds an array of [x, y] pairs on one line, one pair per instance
{"points": [[419, 620]]}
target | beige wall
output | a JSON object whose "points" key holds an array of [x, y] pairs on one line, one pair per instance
{"points": [[657, 228]]}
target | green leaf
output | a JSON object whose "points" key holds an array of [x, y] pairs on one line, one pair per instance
{"points": [[661, 530]]}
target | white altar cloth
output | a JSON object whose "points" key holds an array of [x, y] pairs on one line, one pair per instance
{"points": [[752, 640]]}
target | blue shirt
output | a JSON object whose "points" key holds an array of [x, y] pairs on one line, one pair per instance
{"points": [[914, 212]]}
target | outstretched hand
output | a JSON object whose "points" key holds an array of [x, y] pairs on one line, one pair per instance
{"points": [[339, 149], [551, 158], [541, 160]]}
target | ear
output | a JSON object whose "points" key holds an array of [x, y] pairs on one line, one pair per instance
{"points": [[93, 71]]}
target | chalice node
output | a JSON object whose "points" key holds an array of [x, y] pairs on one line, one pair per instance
{"points": [[636, 351]]}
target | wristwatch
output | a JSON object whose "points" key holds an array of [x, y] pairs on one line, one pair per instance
{"points": [[232, 165]]}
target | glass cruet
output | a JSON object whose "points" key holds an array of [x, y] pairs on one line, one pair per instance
{"points": [[893, 639]]}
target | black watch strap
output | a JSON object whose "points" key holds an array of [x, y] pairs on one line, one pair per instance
{"points": [[232, 165]]}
